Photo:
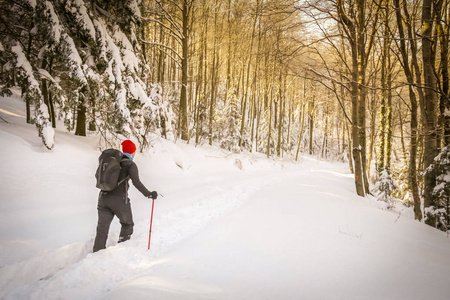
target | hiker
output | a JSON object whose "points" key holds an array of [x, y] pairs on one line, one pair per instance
{"points": [[116, 202]]}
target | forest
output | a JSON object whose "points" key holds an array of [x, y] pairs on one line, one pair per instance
{"points": [[365, 82]]}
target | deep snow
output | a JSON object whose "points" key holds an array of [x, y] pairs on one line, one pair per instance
{"points": [[275, 229]]}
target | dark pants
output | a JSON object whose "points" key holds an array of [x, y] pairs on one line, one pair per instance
{"points": [[108, 207]]}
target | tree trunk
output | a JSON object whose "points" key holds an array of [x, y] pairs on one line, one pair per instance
{"points": [[198, 88], [213, 82], [46, 94], [302, 118], [160, 69], [244, 106], [429, 114], [382, 146], [269, 95], [184, 76], [349, 151], [355, 93], [269, 134], [402, 138], [28, 53], [81, 119], [50, 98], [281, 114], [389, 118], [361, 37], [228, 83], [324, 141], [412, 168], [256, 104], [373, 132], [311, 125], [444, 102]]}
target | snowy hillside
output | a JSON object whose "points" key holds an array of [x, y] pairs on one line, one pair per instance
{"points": [[230, 226]]}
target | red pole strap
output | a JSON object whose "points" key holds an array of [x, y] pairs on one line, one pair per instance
{"points": [[151, 221]]}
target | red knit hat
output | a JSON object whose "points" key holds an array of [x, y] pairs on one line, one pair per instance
{"points": [[128, 147]]}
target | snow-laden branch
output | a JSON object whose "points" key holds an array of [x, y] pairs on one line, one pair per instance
{"points": [[55, 28], [80, 12], [33, 93], [73, 58]]}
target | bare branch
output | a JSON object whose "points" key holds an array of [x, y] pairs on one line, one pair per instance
{"points": [[166, 47], [169, 18], [177, 35]]}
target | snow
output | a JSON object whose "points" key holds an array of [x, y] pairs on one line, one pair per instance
{"points": [[74, 59], [115, 64], [447, 112], [277, 229], [122, 105], [129, 57], [101, 29], [47, 75], [137, 92], [133, 5], [22, 62], [56, 28], [79, 10], [446, 177], [32, 3], [49, 134]]}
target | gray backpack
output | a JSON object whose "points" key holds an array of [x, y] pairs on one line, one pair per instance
{"points": [[108, 170]]}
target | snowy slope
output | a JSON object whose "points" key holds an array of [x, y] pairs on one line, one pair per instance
{"points": [[270, 230]]}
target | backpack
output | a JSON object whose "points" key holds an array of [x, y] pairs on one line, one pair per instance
{"points": [[108, 170]]}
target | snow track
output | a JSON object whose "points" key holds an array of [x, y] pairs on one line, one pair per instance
{"points": [[212, 204]]}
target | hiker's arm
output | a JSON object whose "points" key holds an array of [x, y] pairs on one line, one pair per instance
{"points": [[134, 176]]}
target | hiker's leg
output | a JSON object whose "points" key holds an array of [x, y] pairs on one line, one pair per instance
{"points": [[126, 220], [105, 216]]}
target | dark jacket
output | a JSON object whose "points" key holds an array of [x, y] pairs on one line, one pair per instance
{"points": [[129, 171]]}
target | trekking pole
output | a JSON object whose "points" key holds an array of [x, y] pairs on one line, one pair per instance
{"points": [[151, 221]]}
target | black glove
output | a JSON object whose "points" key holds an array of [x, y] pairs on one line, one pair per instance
{"points": [[153, 195]]}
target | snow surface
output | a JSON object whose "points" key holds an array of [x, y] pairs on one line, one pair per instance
{"points": [[273, 230]]}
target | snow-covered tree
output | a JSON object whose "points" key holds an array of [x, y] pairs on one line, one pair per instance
{"points": [[21, 55], [385, 186], [33, 92], [441, 213], [82, 56], [230, 134]]}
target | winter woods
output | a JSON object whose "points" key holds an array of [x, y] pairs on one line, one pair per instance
{"points": [[360, 81], [80, 61], [395, 64]]}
